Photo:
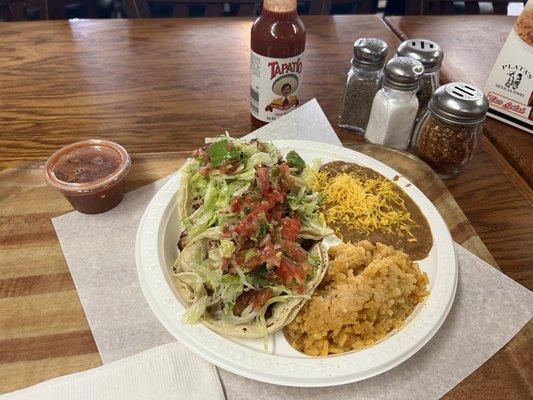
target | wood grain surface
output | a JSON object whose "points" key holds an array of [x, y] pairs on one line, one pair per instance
{"points": [[44, 332], [471, 45], [161, 85], [164, 85], [152, 85]]}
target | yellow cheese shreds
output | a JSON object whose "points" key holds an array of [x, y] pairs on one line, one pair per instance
{"points": [[364, 204]]}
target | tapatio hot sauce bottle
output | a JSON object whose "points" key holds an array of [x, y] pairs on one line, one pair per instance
{"points": [[277, 55]]}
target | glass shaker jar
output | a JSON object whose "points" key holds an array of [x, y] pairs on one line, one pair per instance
{"points": [[450, 130], [430, 55], [395, 105], [364, 78]]}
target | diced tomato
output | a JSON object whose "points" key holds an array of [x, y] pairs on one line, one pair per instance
{"points": [[291, 183], [200, 153], [225, 263], [240, 228], [305, 267], [239, 258], [290, 228], [263, 179], [284, 170], [274, 197], [204, 171], [277, 213], [301, 287], [244, 228], [286, 181], [269, 255], [247, 202], [235, 205], [264, 207], [294, 250], [228, 167], [248, 224], [289, 273], [253, 262]]}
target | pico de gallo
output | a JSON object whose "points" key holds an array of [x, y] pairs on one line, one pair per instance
{"points": [[256, 218]]}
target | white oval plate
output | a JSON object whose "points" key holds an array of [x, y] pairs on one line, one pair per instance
{"points": [[156, 251]]}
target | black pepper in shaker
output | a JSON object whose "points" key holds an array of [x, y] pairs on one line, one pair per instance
{"points": [[451, 129], [364, 78], [430, 55]]}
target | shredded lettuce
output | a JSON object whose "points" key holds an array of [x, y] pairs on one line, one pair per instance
{"points": [[231, 288], [213, 191], [195, 311], [314, 229], [261, 314]]}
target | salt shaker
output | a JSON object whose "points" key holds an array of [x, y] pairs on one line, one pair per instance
{"points": [[430, 55], [395, 105], [451, 129], [364, 78]]}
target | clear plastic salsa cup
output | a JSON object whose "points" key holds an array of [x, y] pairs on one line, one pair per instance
{"points": [[90, 174]]}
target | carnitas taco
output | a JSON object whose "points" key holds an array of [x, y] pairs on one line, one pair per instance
{"points": [[250, 252]]}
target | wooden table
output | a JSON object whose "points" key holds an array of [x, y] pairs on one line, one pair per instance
{"points": [[160, 85], [471, 45]]}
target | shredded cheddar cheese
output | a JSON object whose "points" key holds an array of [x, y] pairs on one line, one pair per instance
{"points": [[364, 204]]}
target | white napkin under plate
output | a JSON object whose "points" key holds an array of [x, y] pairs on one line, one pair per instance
{"points": [[102, 265], [167, 372]]}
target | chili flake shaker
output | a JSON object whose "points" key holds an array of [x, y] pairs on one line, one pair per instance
{"points": [[430, 55], [363, 82], [450, 130], [395, 105]]}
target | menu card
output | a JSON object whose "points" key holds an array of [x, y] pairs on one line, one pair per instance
{"points": [[509, 88]]}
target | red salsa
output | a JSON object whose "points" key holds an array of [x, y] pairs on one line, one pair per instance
{"points": [[90, 174]]}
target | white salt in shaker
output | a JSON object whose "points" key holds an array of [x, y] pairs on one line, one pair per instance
{"points": [[395, 106], [430, 55]]}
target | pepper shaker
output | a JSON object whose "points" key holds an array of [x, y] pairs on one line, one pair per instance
{"points": [[395, 105], [362, 84], [450, 130], [430, 55]]}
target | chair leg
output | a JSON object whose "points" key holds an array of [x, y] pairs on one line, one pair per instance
{"points": [[472, 7], [365, 7], [213, 10], [500, 7], [414, 7], [326, 7], [315, 7], [56, 9], [91, 7], [447, 7], [245, 10], [180, 11], [43, 10], [137, 8], [17, 11]]}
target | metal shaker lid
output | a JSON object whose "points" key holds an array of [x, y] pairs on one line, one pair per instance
{"points": [[369, 53], [403, 73], [459, 103], [427, 52]]}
